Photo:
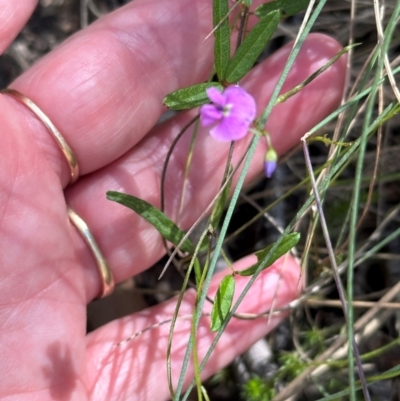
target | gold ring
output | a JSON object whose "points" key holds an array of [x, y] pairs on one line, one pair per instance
{"points": [[102, 266], [67, 151]]}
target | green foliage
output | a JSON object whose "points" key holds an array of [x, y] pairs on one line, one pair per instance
{"points": [[252, 47], [166, 227], [222, 47], [257, 389], [292, 365], [222, 302], [187, 98], [314, 339], [287, 243]]}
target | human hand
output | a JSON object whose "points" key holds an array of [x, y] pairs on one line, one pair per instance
{"points": [[103, 89]]}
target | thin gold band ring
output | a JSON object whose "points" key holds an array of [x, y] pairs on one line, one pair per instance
{"points": [[61, 142], [102, 265]]}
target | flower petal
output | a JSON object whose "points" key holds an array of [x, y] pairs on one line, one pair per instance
{"points": [[209, 115], [216, 96], [243, 104], [230, 129]]}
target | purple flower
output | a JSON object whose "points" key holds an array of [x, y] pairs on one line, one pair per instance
{"points": [[231, 113]]}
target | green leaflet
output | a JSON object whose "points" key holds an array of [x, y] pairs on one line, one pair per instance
{"points": [[286, 245], [167, 228], [252, 47], [222, 44], [187, 98], [222, 302], [286, 7]]}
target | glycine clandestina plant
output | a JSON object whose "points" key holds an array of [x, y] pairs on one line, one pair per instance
{"points": [[230, 115]]}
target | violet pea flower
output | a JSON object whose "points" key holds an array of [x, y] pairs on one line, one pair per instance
{"points": [[231, 113]]}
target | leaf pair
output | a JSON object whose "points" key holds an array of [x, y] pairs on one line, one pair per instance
{"points": [[232, 70], [228, 70]]}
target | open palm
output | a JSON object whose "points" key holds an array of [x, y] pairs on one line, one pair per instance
{"points": [[103, 89]]}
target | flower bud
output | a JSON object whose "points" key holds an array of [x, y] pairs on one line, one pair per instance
{"points": [[270, 163]]}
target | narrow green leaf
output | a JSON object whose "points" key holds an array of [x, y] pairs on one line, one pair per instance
{"points": [[252, 47], [222, 302], [187, 98], [167, 228], [222, 44], [286, 7], [220, 204], [286, 245]]}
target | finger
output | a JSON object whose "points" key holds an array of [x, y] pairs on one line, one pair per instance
{"points": [[13, 17], [103, 88], [129, 243], [137, 368]]}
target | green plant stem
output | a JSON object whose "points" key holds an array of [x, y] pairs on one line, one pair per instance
{"points": [[242, 28], [196, 358], [196, 368], [168, 157], [178, 304], [188, 166]]}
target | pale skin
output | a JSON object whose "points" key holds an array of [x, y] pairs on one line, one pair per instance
{"points": [[103, 89]]}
